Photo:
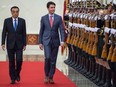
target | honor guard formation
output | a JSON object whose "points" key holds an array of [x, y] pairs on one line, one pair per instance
{"points": [[91, 41]]}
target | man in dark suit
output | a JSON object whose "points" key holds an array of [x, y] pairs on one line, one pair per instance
{"points": [[14, 30], [49, 39]]}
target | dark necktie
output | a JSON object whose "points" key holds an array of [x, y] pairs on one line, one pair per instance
{"points": [[15, 24]]}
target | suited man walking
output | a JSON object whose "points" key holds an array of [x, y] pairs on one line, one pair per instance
{"points": [[49, 40], [14, 30]]}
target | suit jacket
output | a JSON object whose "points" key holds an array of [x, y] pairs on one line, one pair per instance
{"points": [[17, 37], [47, 32]]}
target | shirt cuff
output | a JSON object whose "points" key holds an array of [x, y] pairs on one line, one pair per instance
{"points": [[62, 43]]}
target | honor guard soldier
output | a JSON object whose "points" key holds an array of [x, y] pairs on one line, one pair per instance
{"points": [[100, 43], [69, 35], [112, 51], [107, 43]]}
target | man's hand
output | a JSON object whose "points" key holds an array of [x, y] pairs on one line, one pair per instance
{"points": [[3, 47], [41, 46], [24, 48]]}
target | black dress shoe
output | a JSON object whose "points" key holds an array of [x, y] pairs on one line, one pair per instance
{"points": [[66, 61], [12, 82], [18, 78], [107, 85], [94, 77], [101, 83], [114, 86], [96, 80]]}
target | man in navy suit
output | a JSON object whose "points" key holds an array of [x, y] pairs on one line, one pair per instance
{"points": [[51, 25], [14, 30]]}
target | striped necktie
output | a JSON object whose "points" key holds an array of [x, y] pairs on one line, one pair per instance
{"points": [[51, 21]]}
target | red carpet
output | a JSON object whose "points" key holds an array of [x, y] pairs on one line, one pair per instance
{"points": [[32, 75]]}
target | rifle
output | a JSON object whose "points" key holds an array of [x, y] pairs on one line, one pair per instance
{"points": [[73, 42], [79, 32], [72, 36], [88, 35], [112, 40], [91, 37], [113, 59], [95, 38], [69, 36], [111, 48], [105, 49], [85, 35]]}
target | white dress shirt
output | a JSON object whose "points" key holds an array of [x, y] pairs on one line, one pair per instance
{"points": [[13, 19]]}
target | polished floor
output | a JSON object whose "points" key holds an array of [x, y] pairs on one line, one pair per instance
{"points": [[33, 53]]}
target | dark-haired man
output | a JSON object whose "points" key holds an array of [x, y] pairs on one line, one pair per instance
{"points": [[14, 30], [50, 41]]}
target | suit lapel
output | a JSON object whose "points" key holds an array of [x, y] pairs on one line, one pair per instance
{"points": [[55, 17], [47, 18], [18, 24], [11, 22]]}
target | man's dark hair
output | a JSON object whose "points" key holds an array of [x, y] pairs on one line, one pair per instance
{"points": [[108, 6], [14, 7], [50, 3]]}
